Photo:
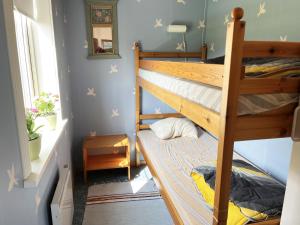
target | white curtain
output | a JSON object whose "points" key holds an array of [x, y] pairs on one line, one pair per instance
{"points": [[26, 7]]}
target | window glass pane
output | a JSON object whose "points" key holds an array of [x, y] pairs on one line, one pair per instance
{"points": [[21, 24]]}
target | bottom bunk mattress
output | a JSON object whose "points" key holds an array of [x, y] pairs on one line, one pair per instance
{"points": [[174, 160]]}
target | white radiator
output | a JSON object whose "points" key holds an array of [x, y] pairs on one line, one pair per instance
{"points": [[62, 206]]}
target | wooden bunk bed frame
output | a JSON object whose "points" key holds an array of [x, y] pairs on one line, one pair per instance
{"points": [[227, 126]]}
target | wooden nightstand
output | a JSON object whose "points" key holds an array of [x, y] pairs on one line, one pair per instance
{"points": [[106, 161]]}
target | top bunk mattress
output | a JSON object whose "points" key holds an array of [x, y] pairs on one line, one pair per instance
{"points": [[210, 97]]}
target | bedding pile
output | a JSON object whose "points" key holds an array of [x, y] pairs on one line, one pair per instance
{"points": [[210, 97], [254, 195]]}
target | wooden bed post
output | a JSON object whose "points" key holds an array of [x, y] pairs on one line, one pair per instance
{"points": [[204, 52], [228, 116], [137, 97]]}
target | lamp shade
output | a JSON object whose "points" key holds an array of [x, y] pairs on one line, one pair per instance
{"points": [[177, 28]]}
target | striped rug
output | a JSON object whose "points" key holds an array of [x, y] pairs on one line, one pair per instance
{"points": [[123, 198], [137, 202]]}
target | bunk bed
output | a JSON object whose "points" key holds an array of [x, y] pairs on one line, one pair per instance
{"points": [[226, 124]]}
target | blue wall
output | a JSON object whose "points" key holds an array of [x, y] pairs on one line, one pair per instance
{"points": [[278, 20], [19, 206], [115, 91]]}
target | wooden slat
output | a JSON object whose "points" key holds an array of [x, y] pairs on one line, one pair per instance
{"points": [[268, 222], [159, 116], [228, 116], [265, 133], [144, 126], [210, 74], [170, 55], [270, 85], [256, 49], [263, 127], [165, 195], [257, 122], [207, 119]]}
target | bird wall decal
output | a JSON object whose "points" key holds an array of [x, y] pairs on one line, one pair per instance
{"points": [[91, 92], [201, 24], [12, 178], [262, 9], [158, 23]]}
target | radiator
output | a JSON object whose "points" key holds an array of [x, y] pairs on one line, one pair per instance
{"points": [[62, 206]]}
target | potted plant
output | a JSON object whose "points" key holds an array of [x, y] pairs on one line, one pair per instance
{"points": [[34, 137], [45, 105]]}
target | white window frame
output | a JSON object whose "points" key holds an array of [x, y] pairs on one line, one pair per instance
{"points": [[32, 173], [8, 9]]}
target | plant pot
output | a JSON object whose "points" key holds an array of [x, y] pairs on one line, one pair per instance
{"points": [[35, 148], [52, 121]]}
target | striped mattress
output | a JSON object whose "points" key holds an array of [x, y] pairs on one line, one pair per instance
{"points": [[210, 97], [173, 160]]}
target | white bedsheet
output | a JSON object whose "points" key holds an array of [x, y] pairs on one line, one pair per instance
{"points": [[210, 96], [174, 160]]}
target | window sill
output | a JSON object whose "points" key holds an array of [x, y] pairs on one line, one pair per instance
{"points": [[38, 167]]}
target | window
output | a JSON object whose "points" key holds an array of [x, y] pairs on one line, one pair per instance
{"points": [[26, 58]]}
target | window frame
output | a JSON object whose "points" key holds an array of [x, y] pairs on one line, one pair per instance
{"points": [[30, 176]]}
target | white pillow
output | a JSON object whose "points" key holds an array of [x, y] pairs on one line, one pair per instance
{"points": [[174, 127]]}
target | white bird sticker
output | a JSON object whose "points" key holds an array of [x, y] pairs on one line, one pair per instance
{"points": [[157, 110], [180, 47], [12, 178], [133, 91], [158, 23], [93, 133], [283, 38], [91, 92], [183, 2], [262, 9], [226, 19], [86, 44], [113, 69], [212, 47], [115, 113], [201, 24]]}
